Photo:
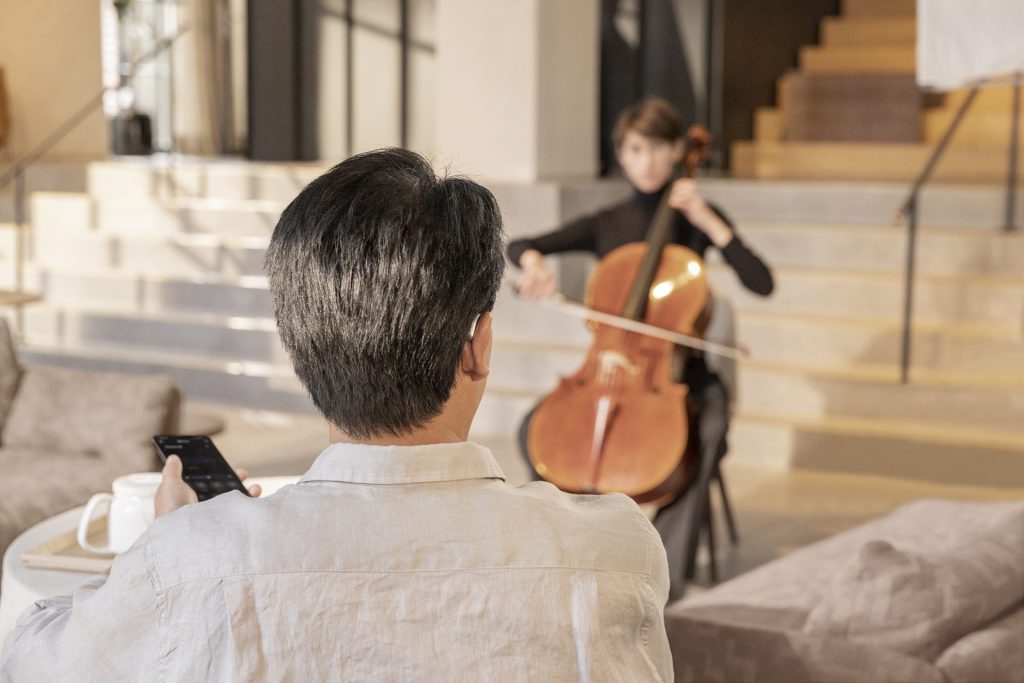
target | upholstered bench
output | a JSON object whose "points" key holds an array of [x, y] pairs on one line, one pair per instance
{"points": [[68, 433], [932, 592]]}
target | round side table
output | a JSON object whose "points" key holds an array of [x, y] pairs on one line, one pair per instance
{"points": [[21, 586]]}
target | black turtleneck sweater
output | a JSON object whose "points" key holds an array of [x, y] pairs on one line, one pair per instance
{"points": [[627, 222]]}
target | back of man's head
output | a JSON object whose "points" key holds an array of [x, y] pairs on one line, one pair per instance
{"points": [[378, 269]]}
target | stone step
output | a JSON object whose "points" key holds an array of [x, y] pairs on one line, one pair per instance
{"points": [[797, 390], [987, 128], [265, 386], [882, 248], [251, 384], [952, 454], [974, 353], [200, 177], [517, 365], [530, 368], [154, 254], [781, 244], [855, 30], [56, 214], [887, 59], [868, 202], [254, 385], [991, 300], [125, 292], [879, 8], [995, 302], [769, 125], [142, 294], [998, 98], [43, 176], [875, 393], [977, 353], [8, 255], [982, 351], [866, 161], [194, 335], [883, 445], [778, 200]]}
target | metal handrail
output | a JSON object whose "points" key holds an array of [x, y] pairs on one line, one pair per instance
{"points": [[16, 172], [908, 210], [69, 124]]}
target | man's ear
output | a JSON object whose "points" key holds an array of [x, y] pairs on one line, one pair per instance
{"points": [[476, 352]]}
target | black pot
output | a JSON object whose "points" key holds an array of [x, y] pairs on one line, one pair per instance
{"points": [[132, 134]]}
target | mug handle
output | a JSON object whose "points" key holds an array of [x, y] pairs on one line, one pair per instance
{"points": [[83, 524]]}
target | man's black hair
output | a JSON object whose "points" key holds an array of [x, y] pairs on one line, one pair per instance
{"points": [[378, 269]]}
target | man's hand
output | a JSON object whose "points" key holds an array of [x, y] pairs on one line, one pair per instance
{"points": [[686, 198], [174, 493], [536, 281]]}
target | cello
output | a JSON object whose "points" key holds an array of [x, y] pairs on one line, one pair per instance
{"points": [[621, 422]]}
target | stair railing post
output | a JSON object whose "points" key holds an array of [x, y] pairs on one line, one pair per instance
{"points": [[19, 249], [908, 288], [1010, 217], [908, 212]]}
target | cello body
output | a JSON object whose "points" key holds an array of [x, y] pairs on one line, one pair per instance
{"points": [[620, 423]]}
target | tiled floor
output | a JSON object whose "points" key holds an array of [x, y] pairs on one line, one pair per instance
{"points": [[777, 511]]}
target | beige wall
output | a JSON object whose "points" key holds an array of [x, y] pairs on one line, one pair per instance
{"points": [[486, 61], [517, 88], [50, 52], [376, 72], [568, 81], [376, 78]]}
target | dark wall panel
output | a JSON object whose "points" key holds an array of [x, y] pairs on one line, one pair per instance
{"points": [[761, 41], [273, 80]]}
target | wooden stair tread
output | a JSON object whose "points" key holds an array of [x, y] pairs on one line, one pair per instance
{"points": [[865, 161]]}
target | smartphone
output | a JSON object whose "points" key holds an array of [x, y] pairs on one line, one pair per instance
{"points": [[203, 467]]}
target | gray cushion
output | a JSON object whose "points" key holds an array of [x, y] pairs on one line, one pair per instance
{"points": [[35, 485], [994, 654], [920, 603], [110, 415], [708, 650], [10, 372]]}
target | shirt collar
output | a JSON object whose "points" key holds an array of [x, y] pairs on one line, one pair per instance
{"points": [[363, 464]]}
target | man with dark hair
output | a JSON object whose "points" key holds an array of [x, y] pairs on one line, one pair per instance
{"points": [[402, 554]]}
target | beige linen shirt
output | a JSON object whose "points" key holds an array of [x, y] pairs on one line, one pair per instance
{"points": [[382, 564]]}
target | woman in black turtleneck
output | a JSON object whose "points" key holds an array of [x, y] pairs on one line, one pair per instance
{"points": [[649, 144]]}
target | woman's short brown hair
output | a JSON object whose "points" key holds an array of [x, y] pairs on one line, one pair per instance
{"points": [[652, 117]]}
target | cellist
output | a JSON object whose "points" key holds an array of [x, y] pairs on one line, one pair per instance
{"points": [[649, 140]]}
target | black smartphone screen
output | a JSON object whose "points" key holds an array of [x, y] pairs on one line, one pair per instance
{"points": [[203, 467]]}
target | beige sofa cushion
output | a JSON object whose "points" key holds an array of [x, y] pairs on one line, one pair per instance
{"points": [[994, 654], [720, 646], [750, 628], [111, 415], [920, 603], [10, 372], [35, 485]]}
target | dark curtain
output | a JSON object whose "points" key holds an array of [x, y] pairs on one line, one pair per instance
{"points": [[657, 66]]}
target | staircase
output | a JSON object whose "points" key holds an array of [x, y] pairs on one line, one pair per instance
{"points": [[859, 83], [160, 268]]}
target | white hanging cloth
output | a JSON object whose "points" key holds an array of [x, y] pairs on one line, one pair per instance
{"points": [[962, 41]]}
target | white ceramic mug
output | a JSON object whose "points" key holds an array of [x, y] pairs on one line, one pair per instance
{"points": [[130, 512]]}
